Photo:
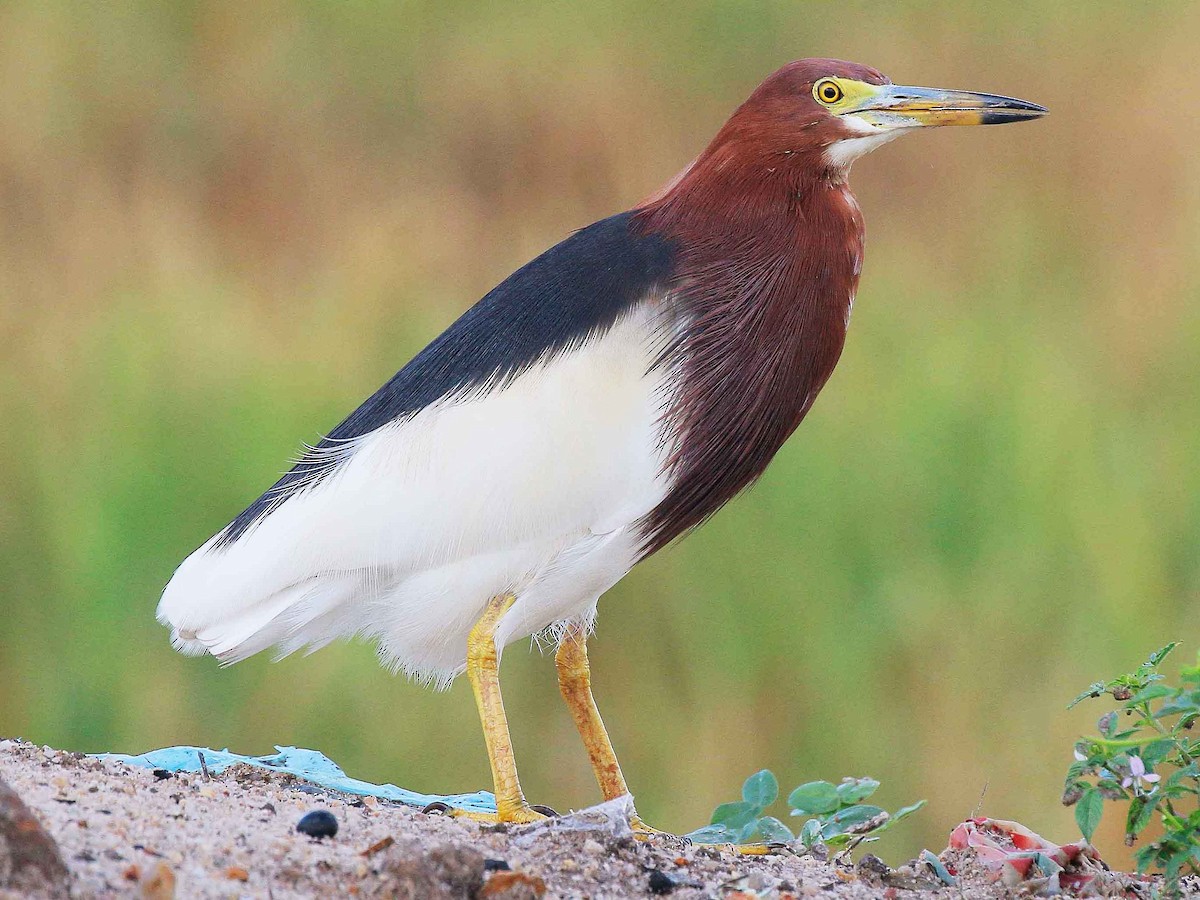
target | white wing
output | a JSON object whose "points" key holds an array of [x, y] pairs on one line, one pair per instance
{"points": [[427, 518]]}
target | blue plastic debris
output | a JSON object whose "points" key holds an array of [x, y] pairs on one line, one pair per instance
{"points": [[310, 765]]}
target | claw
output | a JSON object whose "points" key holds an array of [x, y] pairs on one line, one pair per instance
{"points": [[644, 832], [520, 815]]}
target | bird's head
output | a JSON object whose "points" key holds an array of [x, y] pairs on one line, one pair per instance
{"points": [[822, 114]]}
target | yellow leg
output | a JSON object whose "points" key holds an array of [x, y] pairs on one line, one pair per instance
{"points": [[483, 671], [575, 682]]}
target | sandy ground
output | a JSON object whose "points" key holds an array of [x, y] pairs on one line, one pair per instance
{"points": [[123, 832]]}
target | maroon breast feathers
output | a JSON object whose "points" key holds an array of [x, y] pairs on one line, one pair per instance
{"points": [[769, 253]]}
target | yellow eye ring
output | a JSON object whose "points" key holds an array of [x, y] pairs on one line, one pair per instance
{"points": [[828, 92]]}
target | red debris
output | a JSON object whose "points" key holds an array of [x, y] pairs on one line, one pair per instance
{"points": [[1010, 851]]}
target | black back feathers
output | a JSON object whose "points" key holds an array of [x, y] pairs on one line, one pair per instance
{"points": [[572, 293]]}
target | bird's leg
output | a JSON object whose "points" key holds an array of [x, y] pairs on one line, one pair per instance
{"points": [[483, 671], [575, 682]]}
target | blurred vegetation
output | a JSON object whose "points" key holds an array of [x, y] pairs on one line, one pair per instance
{"points": [[223, 225]]}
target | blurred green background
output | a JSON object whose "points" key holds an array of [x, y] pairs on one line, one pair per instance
{"points": [[223, 225]]}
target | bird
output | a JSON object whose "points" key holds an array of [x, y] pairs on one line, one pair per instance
{"points": [[602, 401]]}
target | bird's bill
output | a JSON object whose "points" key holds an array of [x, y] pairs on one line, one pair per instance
{"points": [[901, 106]]}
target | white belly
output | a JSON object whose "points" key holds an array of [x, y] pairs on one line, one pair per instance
{"points": [[533, 489]]}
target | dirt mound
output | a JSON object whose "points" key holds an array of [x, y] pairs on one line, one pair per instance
{"points": [[125, 831]]}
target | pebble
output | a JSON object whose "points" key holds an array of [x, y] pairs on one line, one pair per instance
{"points": [[593, 847], [661, 882], [320, 823]]}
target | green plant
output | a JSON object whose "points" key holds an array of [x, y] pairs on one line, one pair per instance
{"points": [[836, 815], [1152, 728]]}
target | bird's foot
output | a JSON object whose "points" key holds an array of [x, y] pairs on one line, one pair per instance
{"points": [[518, 814], [644, 832]]}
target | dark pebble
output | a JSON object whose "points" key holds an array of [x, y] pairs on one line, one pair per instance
{"points": [[496, 865], [662, 883], [320, 823], [161, 774]]}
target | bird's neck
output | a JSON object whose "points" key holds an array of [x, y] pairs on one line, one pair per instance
{"points": [[765, 279]]}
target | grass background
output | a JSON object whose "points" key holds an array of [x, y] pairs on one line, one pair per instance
{"points": [[221, 227]]}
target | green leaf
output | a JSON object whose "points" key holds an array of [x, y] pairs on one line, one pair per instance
{"points": [[1159, 655], [1183, 702], [1087, 813], [1189, 771], [735, 816], [761, 789], [852, 790], [1075, 770], [1155, 752], [903, 813], [1108, 723], [1174, 864], [1095, 689], [846, 819], [1152, 692], [712, 834], [767, 830], [814, 798], [1140, 812], [1145, 857], [810, 834]]}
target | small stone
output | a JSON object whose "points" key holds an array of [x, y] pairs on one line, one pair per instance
{"points": [[161, 774], [159, 883], [871, 866], [661, 882], [513, 886], [443, 872], [381, 844], [237, 873], [30, 862], [320, 823], [496, 865], [592, 847]]}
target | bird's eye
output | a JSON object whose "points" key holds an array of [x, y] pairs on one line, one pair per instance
{"points": [[828, 92]]}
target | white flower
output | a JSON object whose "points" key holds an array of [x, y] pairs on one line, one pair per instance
{"points": [[1138, 776], [1079, 756]]}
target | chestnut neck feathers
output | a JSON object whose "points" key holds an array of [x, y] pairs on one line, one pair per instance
{"points": [[769, 247]]}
